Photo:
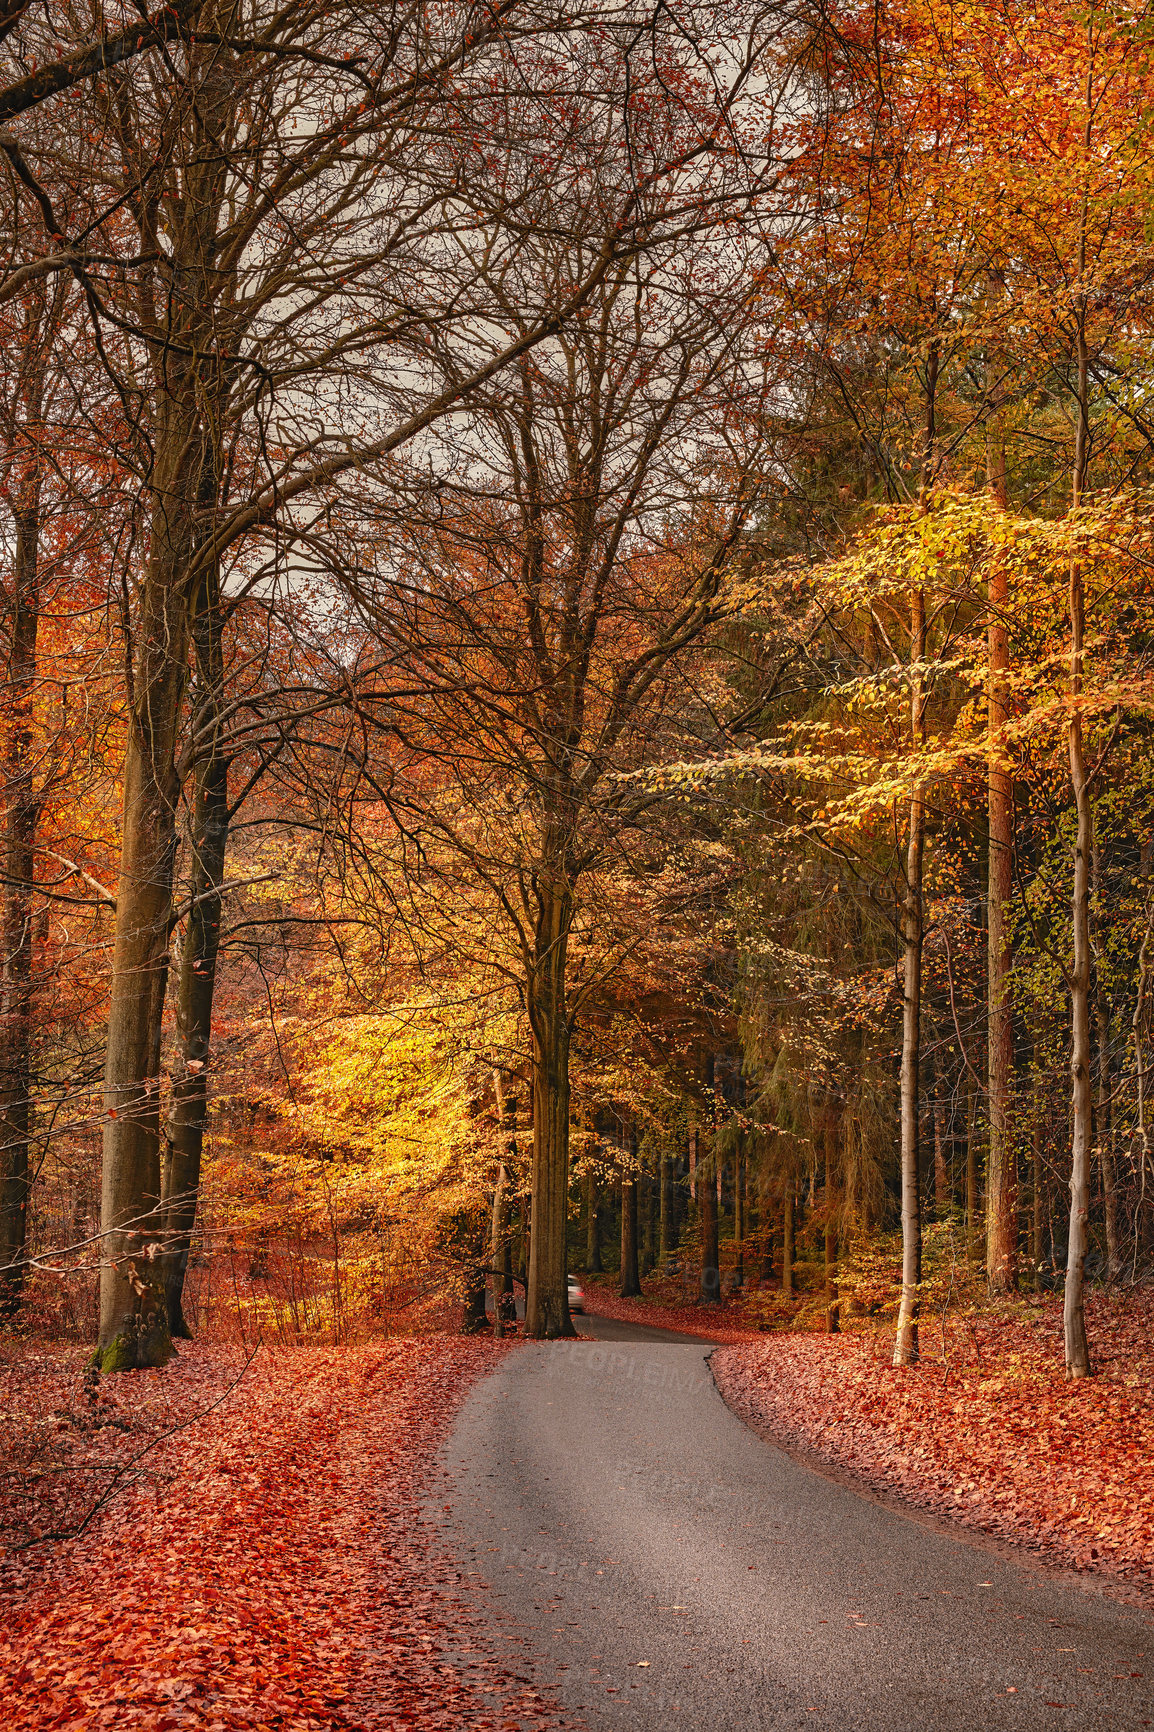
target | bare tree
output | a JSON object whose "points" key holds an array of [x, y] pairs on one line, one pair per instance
{"points": [[576, 541]]}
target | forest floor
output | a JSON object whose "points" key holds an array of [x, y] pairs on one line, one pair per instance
{"points": [[246, 1543], [262, 1559], [986, 1429]]}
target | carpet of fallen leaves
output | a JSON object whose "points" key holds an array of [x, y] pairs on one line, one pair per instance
{"points": [[271, 1563], [986, 1429]]}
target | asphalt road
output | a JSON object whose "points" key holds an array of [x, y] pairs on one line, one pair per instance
{"points": [[634, 1547]]}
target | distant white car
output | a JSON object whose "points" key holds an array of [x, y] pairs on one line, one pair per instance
{"points": [[576, 1297]]}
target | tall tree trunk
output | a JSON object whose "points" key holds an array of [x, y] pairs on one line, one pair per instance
{"points": [[1002, 1166], [972, 1201], [710, 1258], [507, 1301], [832, 1302], [592, 1225], [476, 1249], [1078, 979], [1141, 1133], [547, 1305], [766, 1244], [906, 1337], [665, 1231], [196, 985], [1038, 1199], [133, 1311], [1103, 1116], [708, 1174], [524, 1235], [21, 817], [649, 1237], [941, 1173], [190, 391], [630, 1278], [906, 1340], [739, 1213], [498, 1243], [829, 1200], [787, 1241]]}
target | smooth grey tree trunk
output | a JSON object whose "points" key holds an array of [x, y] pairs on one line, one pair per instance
{"points": [[906, 1339], [1077, 1345]]}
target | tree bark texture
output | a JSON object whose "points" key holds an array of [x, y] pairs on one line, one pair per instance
{"points": [[188, 1112], [133, 1311], [547, 1305]]}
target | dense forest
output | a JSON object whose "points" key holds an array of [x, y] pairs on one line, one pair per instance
{"points": [[577, 655]]}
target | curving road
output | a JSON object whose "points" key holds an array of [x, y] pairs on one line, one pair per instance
{"points": [[634, 1547]]}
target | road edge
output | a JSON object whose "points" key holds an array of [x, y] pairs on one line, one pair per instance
{"points": [[1035, 1558]]}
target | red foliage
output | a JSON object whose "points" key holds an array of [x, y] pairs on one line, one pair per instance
{"points": [[276, 1569], [992, 1433]]}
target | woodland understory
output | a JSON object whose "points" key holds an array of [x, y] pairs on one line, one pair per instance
{"points": [[576, 673]]}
